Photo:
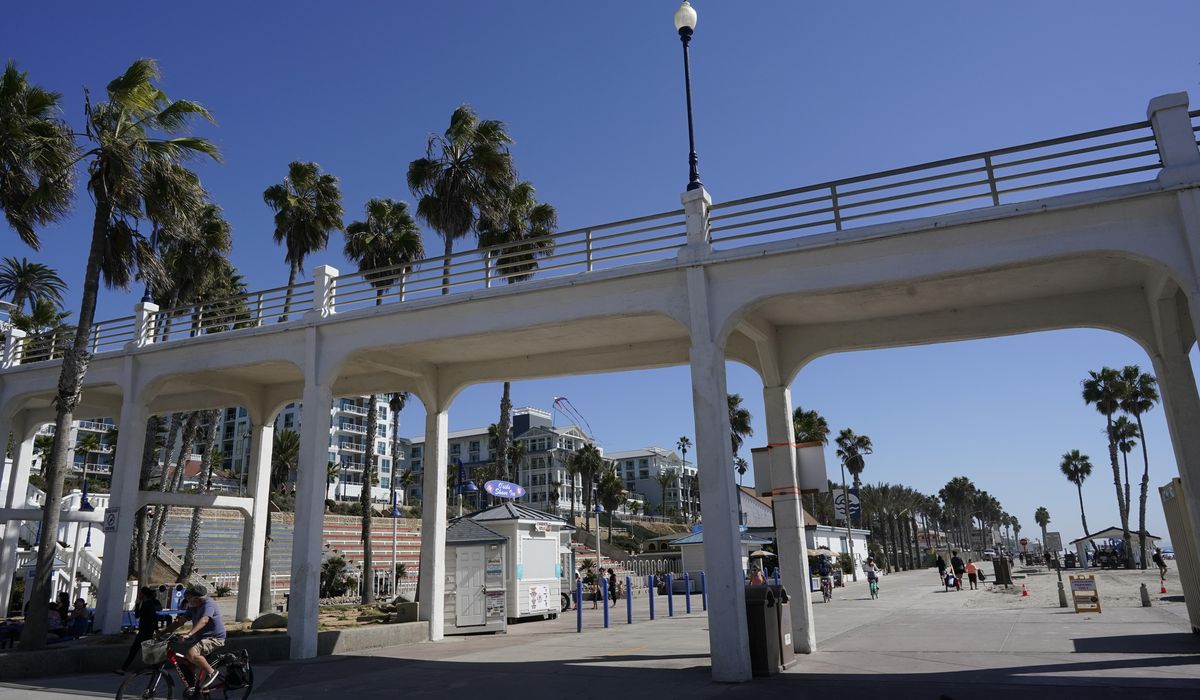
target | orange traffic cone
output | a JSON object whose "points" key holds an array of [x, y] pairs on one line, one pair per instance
{"points": [[1024, 591]]}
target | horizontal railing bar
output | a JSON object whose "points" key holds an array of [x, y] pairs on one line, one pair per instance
{"points": [[781, 229], [1073, 152], [1082, 178], [1061, 168], [772, 219], [773, 207]]}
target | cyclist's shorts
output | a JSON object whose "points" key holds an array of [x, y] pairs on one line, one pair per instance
{"points": [[205, 646]]}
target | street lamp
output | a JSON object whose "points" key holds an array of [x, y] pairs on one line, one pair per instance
{"points": [[685, 24], [846, 511], [84, 507], [395, 519], [463, 485]]}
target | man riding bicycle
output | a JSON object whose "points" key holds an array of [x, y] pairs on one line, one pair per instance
{"points": [[206, 635], [825, 570]]}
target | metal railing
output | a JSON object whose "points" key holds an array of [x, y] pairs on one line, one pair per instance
{"points": [[1057, 166], [1104, 157]]}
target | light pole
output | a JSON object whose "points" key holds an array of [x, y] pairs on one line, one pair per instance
{"points": [[84, 507], [395, 519], [685, 24]]}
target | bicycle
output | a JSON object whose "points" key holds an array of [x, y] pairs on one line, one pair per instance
{"points": [[827, 588], [235, 677], [873, 583]]}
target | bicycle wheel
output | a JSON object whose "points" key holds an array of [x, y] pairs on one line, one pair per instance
{"points": [[147, 684]]}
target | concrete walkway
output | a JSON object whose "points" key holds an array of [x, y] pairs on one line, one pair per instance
{"points": [[916, 641]]}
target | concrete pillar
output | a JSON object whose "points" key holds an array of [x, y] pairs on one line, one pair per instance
{"points": [[789, 515], [254, 531], [310, 517], [14, 497], [14, 340], [147, 315], [324, 289], [728, 642], [126, 473], [433, 520], [1168, 115]]}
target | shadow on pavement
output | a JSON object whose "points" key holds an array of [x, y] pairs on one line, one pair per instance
{"points": [[1171, 643]]}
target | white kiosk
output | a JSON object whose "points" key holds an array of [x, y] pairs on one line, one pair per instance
{"points": [[535, 541], [475, 579]]}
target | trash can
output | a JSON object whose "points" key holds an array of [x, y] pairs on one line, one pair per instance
{"points": [[1003, 571], [787, 645], [762, 627]]}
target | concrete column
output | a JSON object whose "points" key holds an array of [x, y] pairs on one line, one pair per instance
{"points": [[14, 340], [147, 314], [789, 515], [728, 642], [14, 497], [433, 520], [126, 473], [324, 289], [1168, 115], [1181, 406], [254, 531], [310, 513]]}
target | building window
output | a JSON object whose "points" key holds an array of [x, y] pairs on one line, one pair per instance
{"points": [[456, 449], [416, 451]]}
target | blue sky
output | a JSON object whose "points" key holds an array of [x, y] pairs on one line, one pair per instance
{"points": [[785, 94]]}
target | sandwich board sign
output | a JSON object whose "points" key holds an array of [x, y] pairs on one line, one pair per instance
{"points": [[1084, 593]]}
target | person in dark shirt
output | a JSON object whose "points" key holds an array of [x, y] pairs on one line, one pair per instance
{"points": [[959, 567], [147, 617]]}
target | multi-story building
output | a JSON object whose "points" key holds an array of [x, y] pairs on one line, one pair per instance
{"points": [[348, 435], [543, 469], [640, 470], [471, 446]]}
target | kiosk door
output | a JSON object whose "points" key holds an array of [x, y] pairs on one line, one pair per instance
{"points": [[469, 601]]}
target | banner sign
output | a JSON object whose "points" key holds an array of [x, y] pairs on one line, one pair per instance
{"points": [[839, 505], [504, 489]]}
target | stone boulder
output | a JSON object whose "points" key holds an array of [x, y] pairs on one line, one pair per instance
{"points": [[269, 621]]}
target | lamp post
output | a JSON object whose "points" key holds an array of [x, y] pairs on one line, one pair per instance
{"points": [[463, 485], [84, 507], [846, 511], [685, 24], [395, 519]]}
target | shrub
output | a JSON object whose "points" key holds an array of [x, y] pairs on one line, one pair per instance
{"points": [[223, 590]]}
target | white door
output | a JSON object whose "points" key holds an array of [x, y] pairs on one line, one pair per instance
{"points": [[469, 598]]}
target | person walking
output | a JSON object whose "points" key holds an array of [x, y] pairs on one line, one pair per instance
{"points": [[972, 574], [612, 587], [956, 563], [756, 577], [941, 567], [1161, 564], [146, 612]]}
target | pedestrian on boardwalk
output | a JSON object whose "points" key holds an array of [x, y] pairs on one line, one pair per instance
{"points": [[941, 567], [612, 587], [956, 563], [972, 574], [756, 577], [1161, 564], [147, 617]]}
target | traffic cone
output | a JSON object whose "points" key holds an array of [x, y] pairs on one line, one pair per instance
{"points": [[1024, 591]]}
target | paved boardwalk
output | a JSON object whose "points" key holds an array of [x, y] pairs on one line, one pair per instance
{"points": [[916, 641]]}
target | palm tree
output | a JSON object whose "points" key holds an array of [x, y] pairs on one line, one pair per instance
{"points": [[368, 511], [22, 281], [333, 472], [37, 150], [1077, 468], [88, 444], [516, 454], [739, 422], [137, 130], [407, 479], [810, 426], [664, 480], [396, 403], [1140, 397], [1106, 390], [572, 471], [1126, 435], [205, 483], [553, 496], [465, 175], [684, 444], [1042, 517], [387, 243], [45, 324], [588, 462], [958, 495], [851, 450], [285, 457], [611, 493], [308, 207], [196, 269]]}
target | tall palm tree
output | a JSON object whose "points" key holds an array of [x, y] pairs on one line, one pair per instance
{"points": [[514, 235], [209, 442], [684, 444], [333, 473], [664, 480], [407, 478], [1042, 517], [308, 207], [1125, 433], [1140, 397], [386, 242], [37, 150], [1077, 468], [370, 469], [852, 449], [396, 403], [21, 281], [47, 328], [136, 130], [572, 470], [810, 426], [588, 462], [553, 496], [739, 422], [285, 457], [465, 175], [1106, 390], [88, 444], [611, 493]]}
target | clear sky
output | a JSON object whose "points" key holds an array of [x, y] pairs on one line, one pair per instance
{"points": [[785, 94]]}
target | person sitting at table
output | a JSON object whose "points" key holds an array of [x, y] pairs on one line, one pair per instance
{"points": [[80, 618]]}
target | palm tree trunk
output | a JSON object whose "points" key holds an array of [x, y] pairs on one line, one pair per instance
{"points": [[141, 534], [1122, 507], [502, 432], [186, 439], [287, 298], [70, 386], [151, 550], [368, 591], [1142, 501], [210, 442], [446, 263]]}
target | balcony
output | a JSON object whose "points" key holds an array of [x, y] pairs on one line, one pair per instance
{"points": [[352, 446], [356, 428], [93, 426], [353, 408]]}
